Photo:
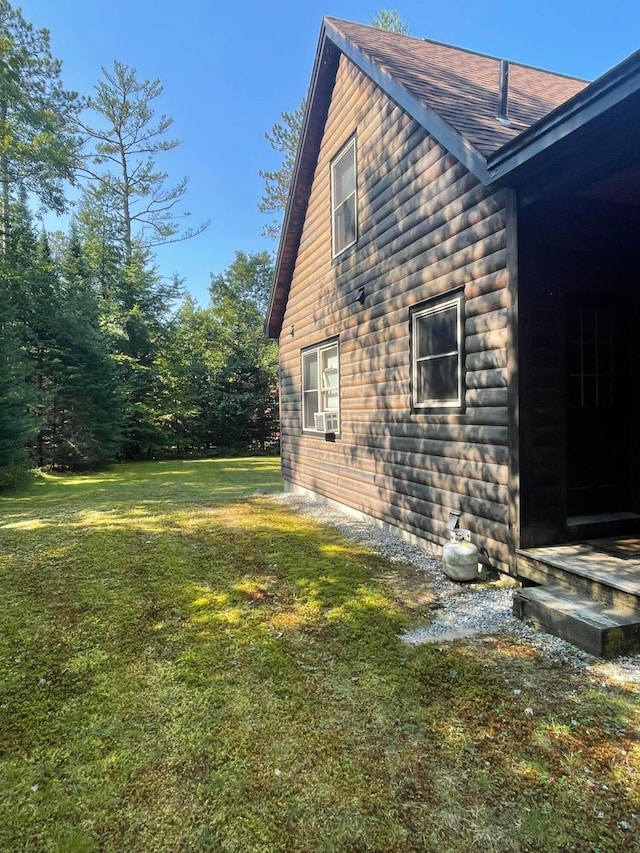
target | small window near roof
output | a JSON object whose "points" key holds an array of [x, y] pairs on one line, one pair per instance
{"points": [[344, 203], [437, 357]]}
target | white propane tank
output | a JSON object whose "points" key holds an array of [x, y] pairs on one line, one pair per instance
{"points": [[460, 556]]}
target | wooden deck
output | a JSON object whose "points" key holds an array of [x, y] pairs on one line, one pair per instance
{"points": [[586, 592], [606, 569]]}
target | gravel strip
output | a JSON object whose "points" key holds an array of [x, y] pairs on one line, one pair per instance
{"points": [[463, 609]]}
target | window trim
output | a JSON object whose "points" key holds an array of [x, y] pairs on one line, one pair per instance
{"points": [[429, 307], [350, 144], [318, 349]]}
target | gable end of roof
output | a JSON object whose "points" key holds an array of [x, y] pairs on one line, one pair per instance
{"points": [[432, 122], [452, 93]]}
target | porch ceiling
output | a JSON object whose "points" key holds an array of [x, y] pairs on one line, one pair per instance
{"points": [[622, 187]]}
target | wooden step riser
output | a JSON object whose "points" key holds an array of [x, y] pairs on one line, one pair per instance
{"points": [[605, 643], [541, 573]]}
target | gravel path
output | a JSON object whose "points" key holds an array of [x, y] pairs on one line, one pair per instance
{"points": [[464, 609]]}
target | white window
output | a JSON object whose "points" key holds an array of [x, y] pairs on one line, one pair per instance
{"points": [[321, 389], [344, 202], [437, 359]]}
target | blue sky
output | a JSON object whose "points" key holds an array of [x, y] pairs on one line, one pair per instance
{"points": [[230, 68]]}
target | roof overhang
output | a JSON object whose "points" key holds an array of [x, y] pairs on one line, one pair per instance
{"points": [[319, 96], [594, 124]]}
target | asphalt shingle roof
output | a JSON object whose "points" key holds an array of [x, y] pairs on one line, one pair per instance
{"points": [[462, 87]]}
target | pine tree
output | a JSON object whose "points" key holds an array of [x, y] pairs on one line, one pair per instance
{"points": [[245, 380], [38, 148], [283, 137], [125, 181], [15, 424], [88, 406]]}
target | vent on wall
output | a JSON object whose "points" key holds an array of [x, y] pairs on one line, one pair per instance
{"points": [[326, 421]]}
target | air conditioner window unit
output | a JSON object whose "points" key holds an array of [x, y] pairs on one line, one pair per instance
{"points": [[326, 421]]}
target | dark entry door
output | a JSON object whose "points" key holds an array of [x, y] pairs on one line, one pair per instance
{"points": [[598, 416]]}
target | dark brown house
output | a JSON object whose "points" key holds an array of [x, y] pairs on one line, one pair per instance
{"points": [[455, 296]]}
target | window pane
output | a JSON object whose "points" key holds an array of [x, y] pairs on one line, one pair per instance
{"points": [[310, 371], [589, 400], [438, 332], [345, 224], [574, 390], [605, 392], [574, 359], [589, 359], [344, 176], [329, 379], [330, 358], [310, 408], [330, 401], [588, 325], [438, 380]]}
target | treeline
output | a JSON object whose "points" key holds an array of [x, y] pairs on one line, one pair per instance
{"points": [[101, 357]]}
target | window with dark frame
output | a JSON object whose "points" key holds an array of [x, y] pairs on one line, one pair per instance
{"points": [[344, 202], [436, 347], [590, 359], [321, 388]]}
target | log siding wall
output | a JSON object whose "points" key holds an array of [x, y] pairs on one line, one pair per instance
{"points": [[426, 227]]}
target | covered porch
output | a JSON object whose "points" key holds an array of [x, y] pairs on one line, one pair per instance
{"points": [[576, 455]]}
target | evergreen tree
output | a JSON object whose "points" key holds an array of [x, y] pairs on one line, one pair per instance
{"points": [[186, 370], [38, 148], [246, 378], [15, 424], [127, 208], [125, 181], [88, 406], [32, 294], [140, 314], [68, 371], [284, 137], [390, 20], [136, 307]]}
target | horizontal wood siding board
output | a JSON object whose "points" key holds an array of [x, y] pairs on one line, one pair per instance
{"points": [[420, 520], [436, 503], [485, 360], [418, 481], [363, 421], [464, 228], [426, 227], [486, 378], [367, 492], [415, 440]]}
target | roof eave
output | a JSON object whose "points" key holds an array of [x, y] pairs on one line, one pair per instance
{"points": [[607, 91], [321, 84], [330, 44]]}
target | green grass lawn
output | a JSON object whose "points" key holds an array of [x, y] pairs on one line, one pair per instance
{"points": [[187, 666]]}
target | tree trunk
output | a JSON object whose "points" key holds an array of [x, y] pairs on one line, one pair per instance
{"points": [[128, 247], [4, 183]]}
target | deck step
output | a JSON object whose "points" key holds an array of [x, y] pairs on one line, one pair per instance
{"points": [[586, 571], [599, 629]]}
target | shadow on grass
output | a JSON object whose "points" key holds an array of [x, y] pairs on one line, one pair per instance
{"points": [[209, 480], [163, 661]]}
